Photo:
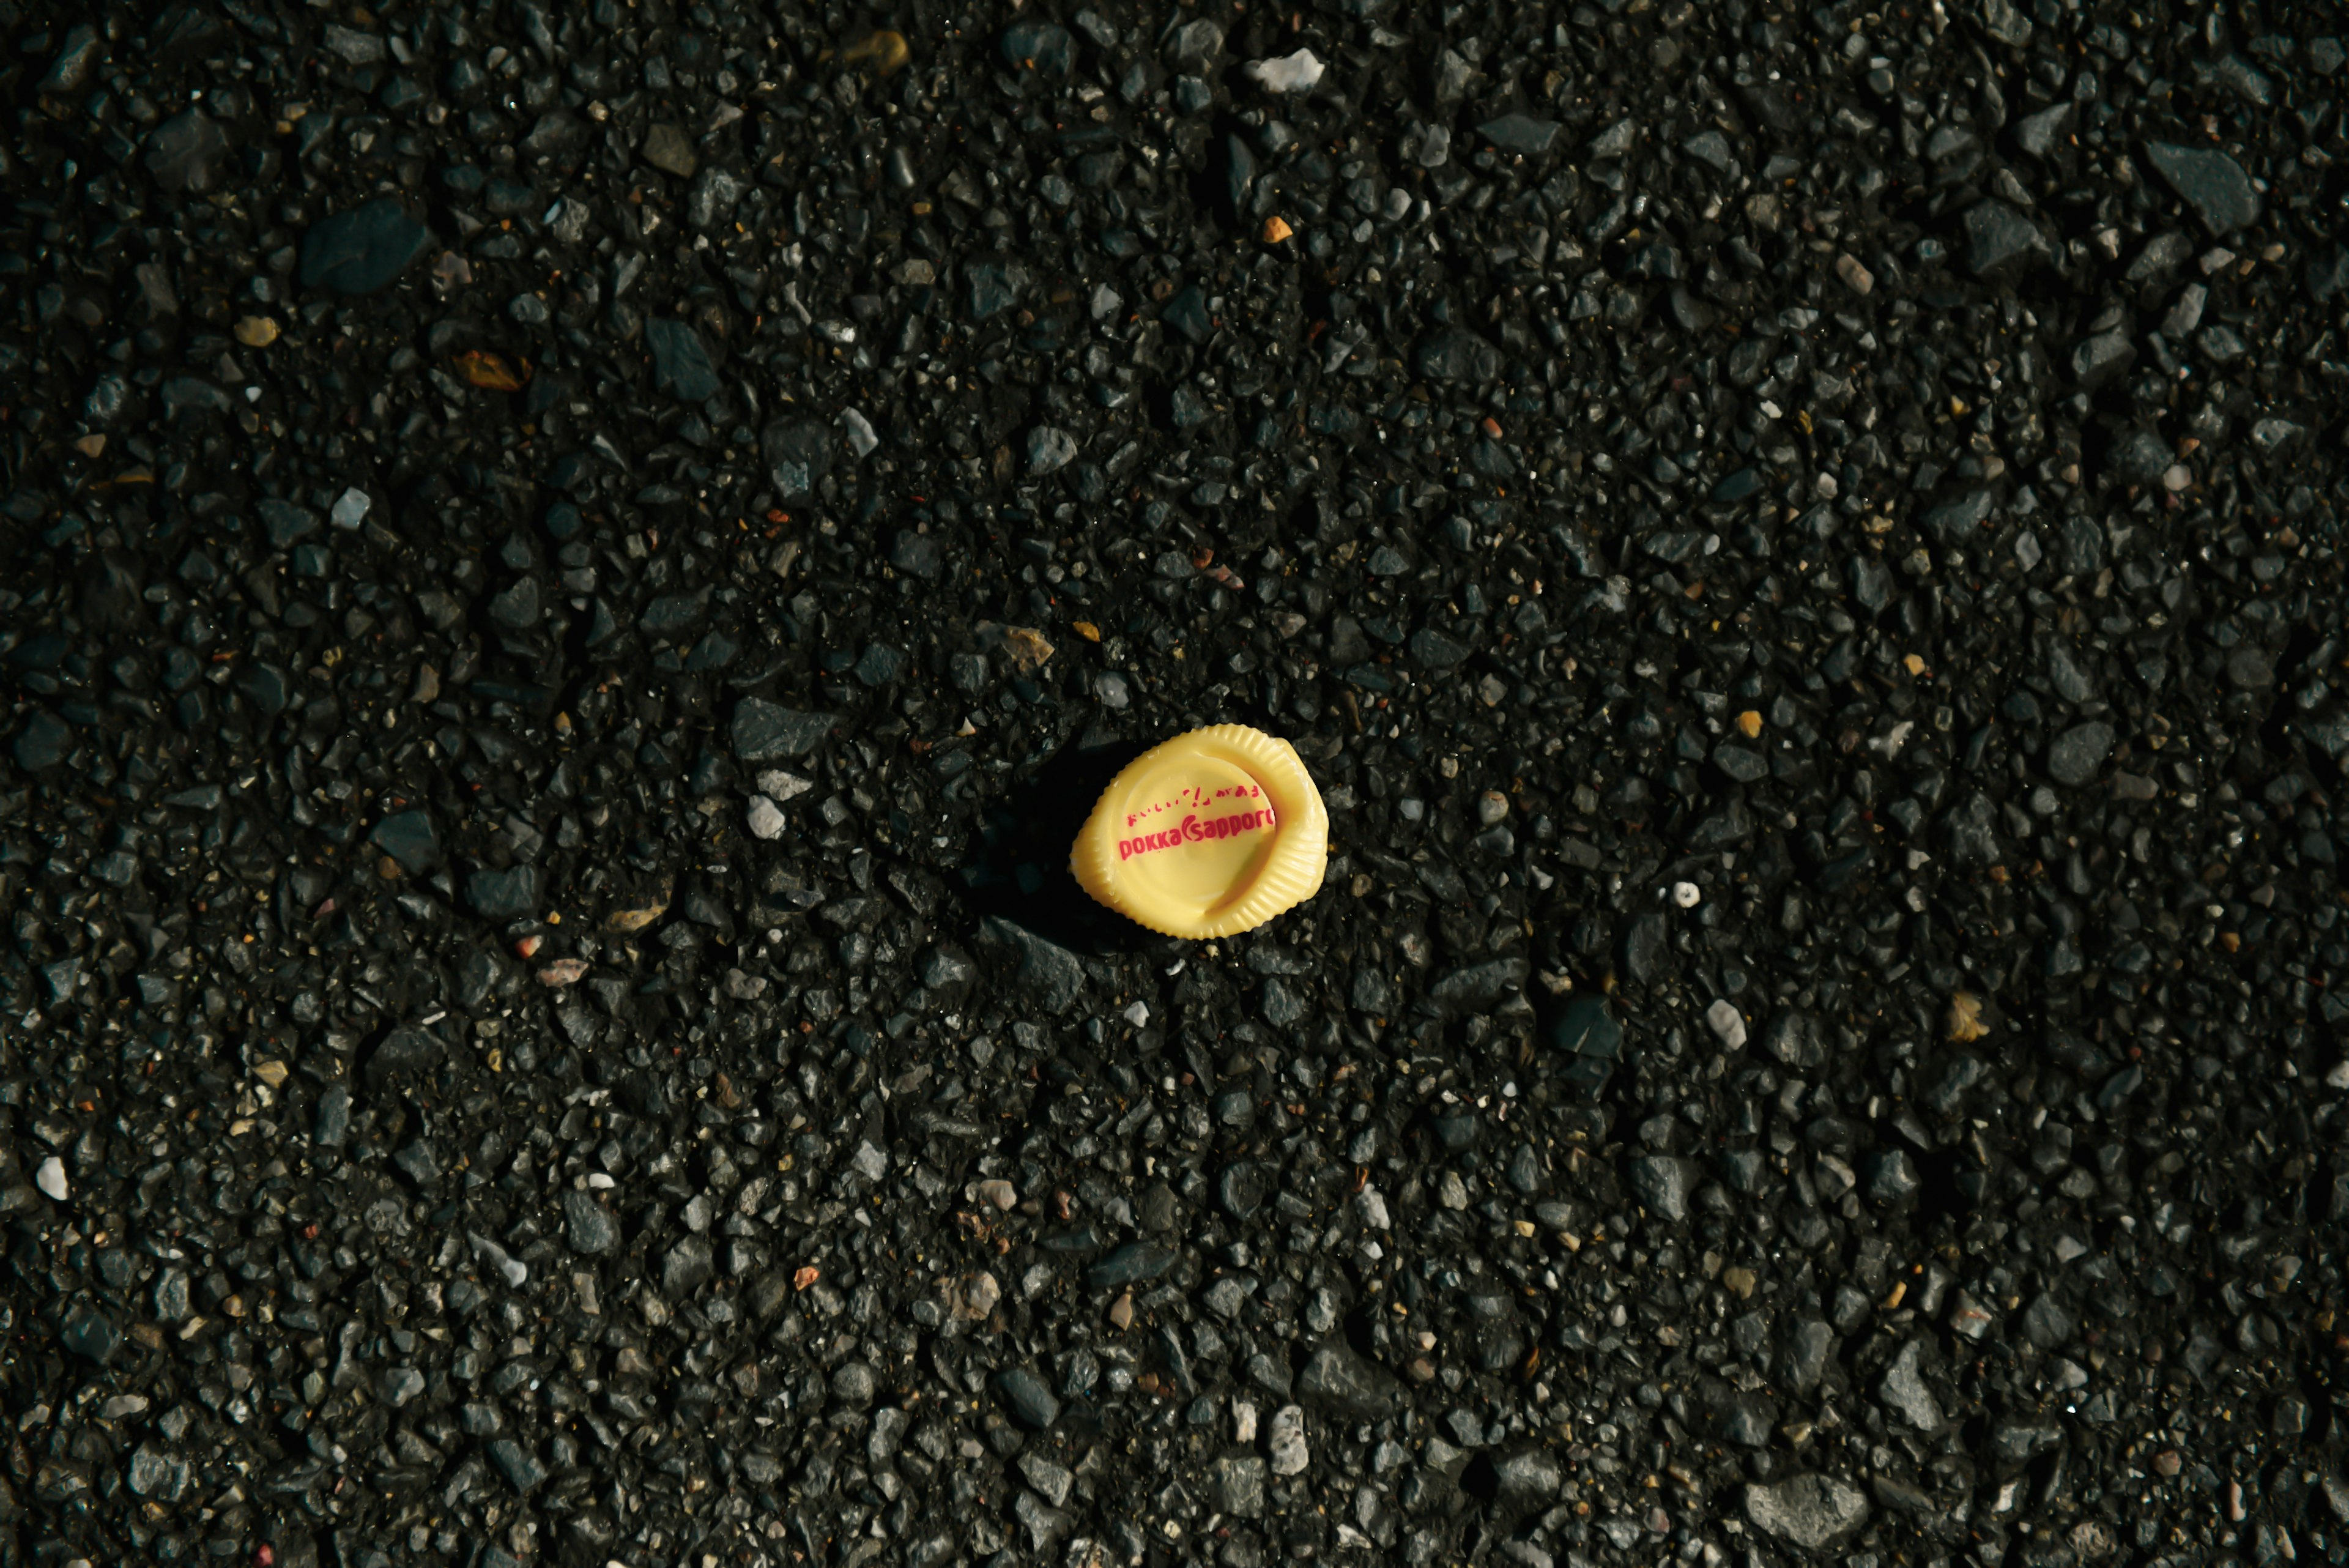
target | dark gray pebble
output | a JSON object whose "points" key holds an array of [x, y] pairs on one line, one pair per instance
{"points": [[1027, 1397], [364, 250]]}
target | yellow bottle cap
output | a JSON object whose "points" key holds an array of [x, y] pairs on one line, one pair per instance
{"points": [[1206, 835]]}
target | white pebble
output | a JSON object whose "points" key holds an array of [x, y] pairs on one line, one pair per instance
{"points": [[1287, 1442], [1243, 1421], [979, 1296], [51, 1179], [1138, 1015], [1727, 1023], [860, 437], [765, 818], [1686, 894], [1300, 72], [516, 1272], [2339, 1077], [780, 786]]}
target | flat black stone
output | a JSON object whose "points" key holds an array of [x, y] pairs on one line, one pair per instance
{"points": [[1956, 522], [1662, 1182], [1051, 972], [1025, 1394], [362, 251], [1521, 133], [287, 524], [404, 1051], [589, 1225], [688, 1266], [407, 837], [2076, 755], [766, 731], [917, 555], [1241, 1189], [91, 1333], [504, 895], [1039, 46], [1187, 313], [1737, 485], [2036, 133], [681, 365], [1431, 649], [799, 454], [995, 286], [1586, 1028], [1455, 354], [1644, 948], [1999, 238], [43, 741], [332, 1125], [1343, 1380], [517, 1464], [1133, 1263], [185, 153], [2210, 182], [1742, 763]]}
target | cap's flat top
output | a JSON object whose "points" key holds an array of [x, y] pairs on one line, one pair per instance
{"points": [[1211, 833]]}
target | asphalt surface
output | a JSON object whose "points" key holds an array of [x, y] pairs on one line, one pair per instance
{"points": [[572, 571]]}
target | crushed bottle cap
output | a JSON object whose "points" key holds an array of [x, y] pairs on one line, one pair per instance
{"points": [[1209, 834]]}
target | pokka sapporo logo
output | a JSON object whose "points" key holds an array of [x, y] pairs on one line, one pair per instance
{"points": [[1194, 828]]}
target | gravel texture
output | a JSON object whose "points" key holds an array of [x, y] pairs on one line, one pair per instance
{"points": [[573, 570]]}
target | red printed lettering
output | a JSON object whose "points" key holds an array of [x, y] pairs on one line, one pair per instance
{"points": [[1195, 831]]}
